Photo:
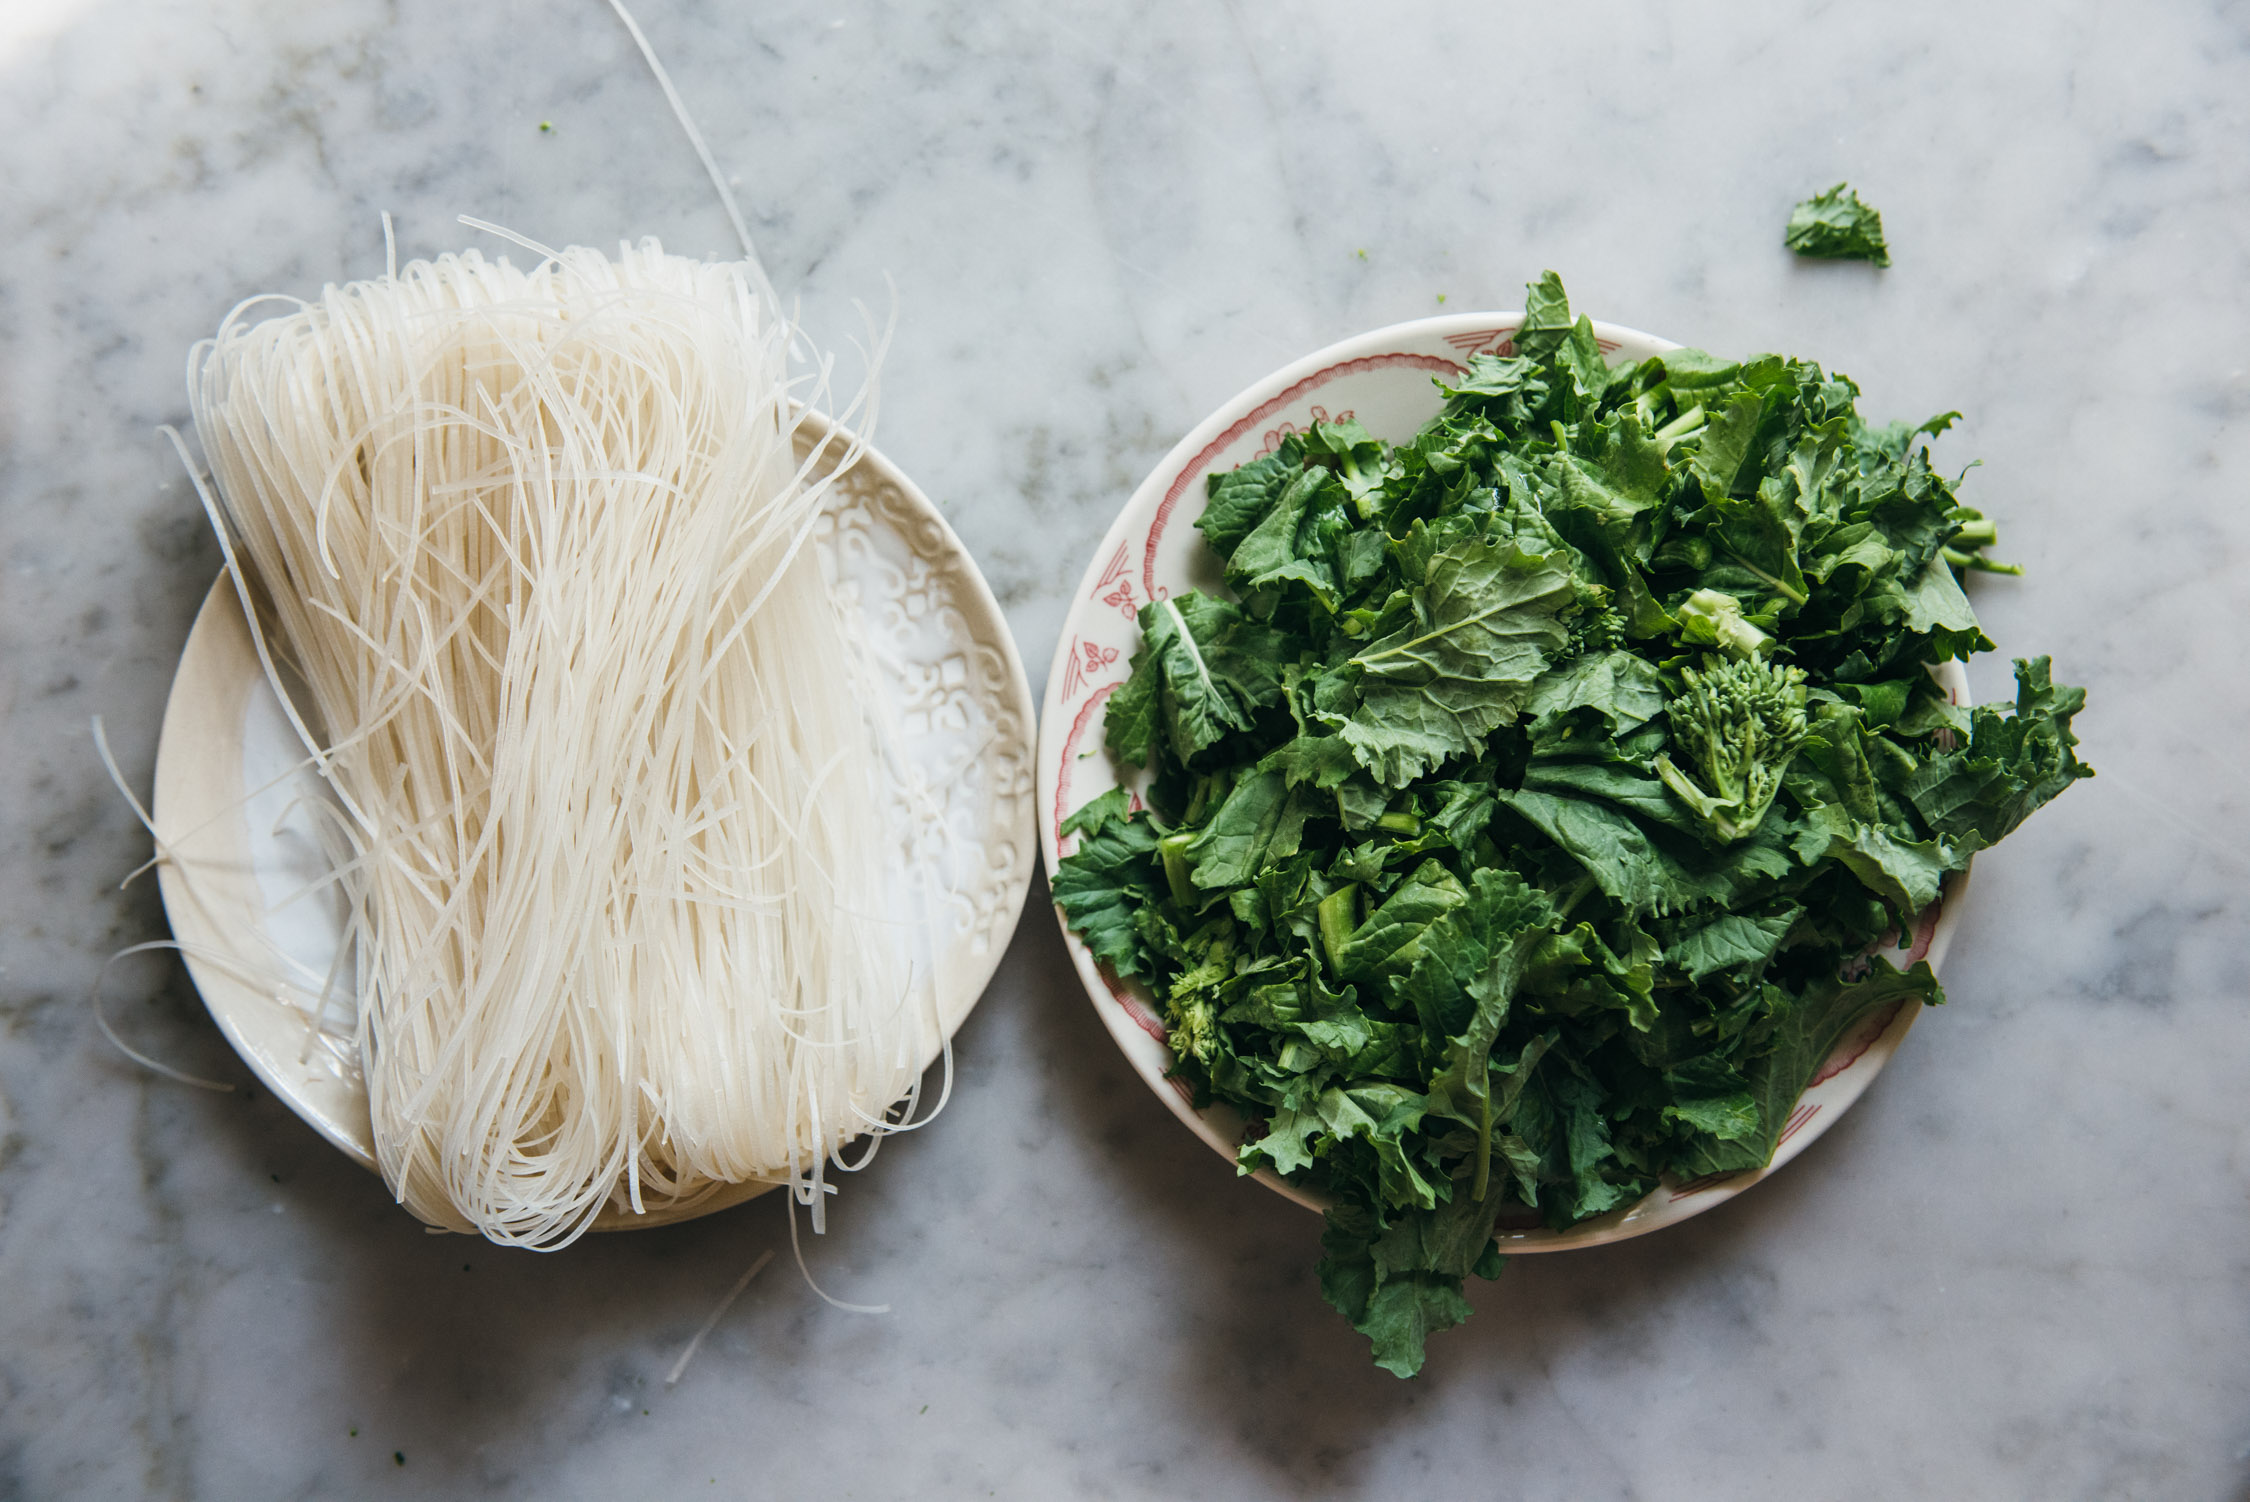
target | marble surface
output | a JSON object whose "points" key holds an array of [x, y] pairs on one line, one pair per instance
{"points": [[2020, 1268]]}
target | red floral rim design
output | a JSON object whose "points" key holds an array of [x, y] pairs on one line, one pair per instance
{"points": [[1069, 754]]}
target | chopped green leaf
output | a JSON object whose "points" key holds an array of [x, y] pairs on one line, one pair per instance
{"points": [[1481, 629], [1836, 226]]}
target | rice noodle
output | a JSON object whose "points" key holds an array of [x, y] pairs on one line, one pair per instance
{"points": [[629, 919]]}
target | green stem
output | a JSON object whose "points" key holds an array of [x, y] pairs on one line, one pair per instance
{"points": [[1177, 873], [1338, 915], [1980, 563], [1484, 1141], [1795, 596], [1572, 896], [1690, 421]]}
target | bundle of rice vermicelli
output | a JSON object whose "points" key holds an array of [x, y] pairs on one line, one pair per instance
{"points": [[625, 902]]}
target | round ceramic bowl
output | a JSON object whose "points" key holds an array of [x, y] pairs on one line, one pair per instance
{"points": [[262, 934], [1383, 379]]}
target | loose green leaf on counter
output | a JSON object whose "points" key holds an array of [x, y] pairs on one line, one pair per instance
{"points": [[1837, 226], [1526, 824]]}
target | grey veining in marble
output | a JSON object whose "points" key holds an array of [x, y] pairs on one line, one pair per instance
{"points": [[2020, 1268]]}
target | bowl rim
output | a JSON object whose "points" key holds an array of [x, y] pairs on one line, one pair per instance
{"points": [[1219, 1127]]}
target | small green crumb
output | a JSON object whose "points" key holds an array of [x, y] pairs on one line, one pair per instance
{"points": [[547, 127], [399, 1456], [1441, 297], [1361, 254], [925, 1409], [355, 1431]]}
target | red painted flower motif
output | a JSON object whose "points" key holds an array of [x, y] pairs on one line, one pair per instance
{"points": [[1086, 660], [1115, 586]]}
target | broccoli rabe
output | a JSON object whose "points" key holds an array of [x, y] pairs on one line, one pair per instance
{"points": [[1402, 871], [1193, 1032], [1742, 721]]}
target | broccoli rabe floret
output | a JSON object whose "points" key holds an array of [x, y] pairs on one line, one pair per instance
{"points": [[1194, 1033], [1740, 722]]}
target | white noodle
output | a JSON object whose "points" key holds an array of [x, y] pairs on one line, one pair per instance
{"points": [[101, 1020], [679, 1367], [625, 901]]}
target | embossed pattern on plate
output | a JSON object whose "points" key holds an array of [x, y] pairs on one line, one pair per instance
{"points": [[232, 803]]}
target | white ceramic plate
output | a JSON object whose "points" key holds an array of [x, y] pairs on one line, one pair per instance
{"points": [[1382, 378], [233, 804]]}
